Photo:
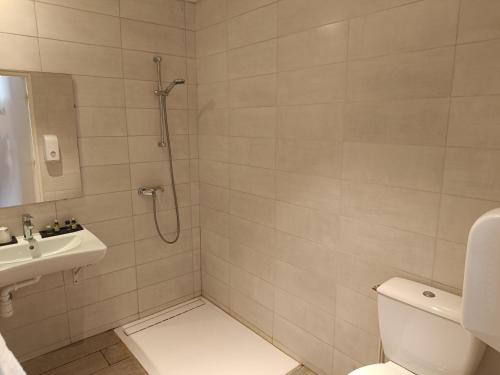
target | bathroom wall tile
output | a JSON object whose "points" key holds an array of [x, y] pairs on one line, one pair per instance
{"points": [[458, 214], [165, 292], [27, 56], [449, 264], [257, 152], [252, 261], [314, 225], [374, 34], [49, 333], [410, 252], [101, 288], [18, 17], [215, 290], [92, 317], [252, 27], [98, 92], [295, 15], [215, 266], [73, 58], [213, 121], [476, 70], [215, 173], [103, 150], [154, 38], [153, 248], [110, 7], [303, 345], [252, 180], [418, 122], [210, 12], [313, 320], [140, 65], [212, 40], [38, 306], [253, 208], [215, 244], [357, 309], [117, 258], [413, 75], [343, 364], [169, 13], [323, 84], [484, 113], [415, 167], [105, 179], [319, 46], [355, 342], [213, 96], [96, 122], [212, 147], [471, 173], [144, 226], [62, 23], [236, 7], [309, 157], [214, 197], [252, 235], [309, 191], [406, 209], [113, 232], [256, 59], [164, 269], [252, 312], [257, 91], [253, 122], [479, 20], [309, 286], [215, 221], [97, 207], [324, 122], [253, 287], [212, 68]]}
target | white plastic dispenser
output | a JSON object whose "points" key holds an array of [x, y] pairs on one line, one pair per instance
{"points": [[481, 289], [51, 145]]}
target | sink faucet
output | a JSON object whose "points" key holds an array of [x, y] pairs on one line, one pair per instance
{"points": [[27, 227]]}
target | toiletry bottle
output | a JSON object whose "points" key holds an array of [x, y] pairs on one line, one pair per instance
{"points": [[74, 224], [57, 228]]}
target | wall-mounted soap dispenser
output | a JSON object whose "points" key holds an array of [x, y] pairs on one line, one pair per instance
{"points": [[51, 146], [481, 290]]}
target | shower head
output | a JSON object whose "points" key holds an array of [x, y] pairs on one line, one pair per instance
{"points": [[172, 84], [157, 59]]}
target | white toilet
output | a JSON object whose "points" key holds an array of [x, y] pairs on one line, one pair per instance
{"points": [[421, 332]]}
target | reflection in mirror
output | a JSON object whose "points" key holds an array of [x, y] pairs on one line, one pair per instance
{"points": [[38, 138]]}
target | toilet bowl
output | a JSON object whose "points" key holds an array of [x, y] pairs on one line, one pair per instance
{"points": [[421, 332]]}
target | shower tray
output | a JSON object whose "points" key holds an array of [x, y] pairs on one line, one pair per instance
{"points": [[196, 337]]}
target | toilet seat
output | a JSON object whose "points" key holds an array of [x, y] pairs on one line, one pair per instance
{"points": [[388, 368]]}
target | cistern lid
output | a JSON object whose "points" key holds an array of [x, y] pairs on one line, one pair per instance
{"points": [[423, 297]]}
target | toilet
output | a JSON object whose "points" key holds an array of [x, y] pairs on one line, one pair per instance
{"points": [[421, 332]]}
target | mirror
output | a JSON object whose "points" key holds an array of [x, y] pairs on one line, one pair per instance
{"points": [[39, 158]]}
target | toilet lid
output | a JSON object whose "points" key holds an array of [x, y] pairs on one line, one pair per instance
{"points": [[388, 368]]}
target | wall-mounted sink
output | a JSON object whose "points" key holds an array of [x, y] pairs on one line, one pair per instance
{"points": [[59, 253]]}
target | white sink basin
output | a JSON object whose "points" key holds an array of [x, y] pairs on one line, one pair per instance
{"points": [[58, 253]]}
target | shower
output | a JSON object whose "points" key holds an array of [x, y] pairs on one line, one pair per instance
{"points": [[164, 142]]}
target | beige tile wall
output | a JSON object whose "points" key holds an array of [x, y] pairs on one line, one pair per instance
{"points": [[342, 142], [108, 45]]}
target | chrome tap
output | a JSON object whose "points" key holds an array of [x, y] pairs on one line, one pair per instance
{"points": [[27, 227]]}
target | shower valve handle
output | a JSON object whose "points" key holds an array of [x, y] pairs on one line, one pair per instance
{"points": [[149, 191]]}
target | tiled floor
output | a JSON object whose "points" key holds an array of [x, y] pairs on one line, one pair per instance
{"points": [[102, 354]]}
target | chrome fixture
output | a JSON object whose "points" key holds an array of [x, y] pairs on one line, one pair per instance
{"points": [[165, 143], [27, 226], [28, 235]]}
